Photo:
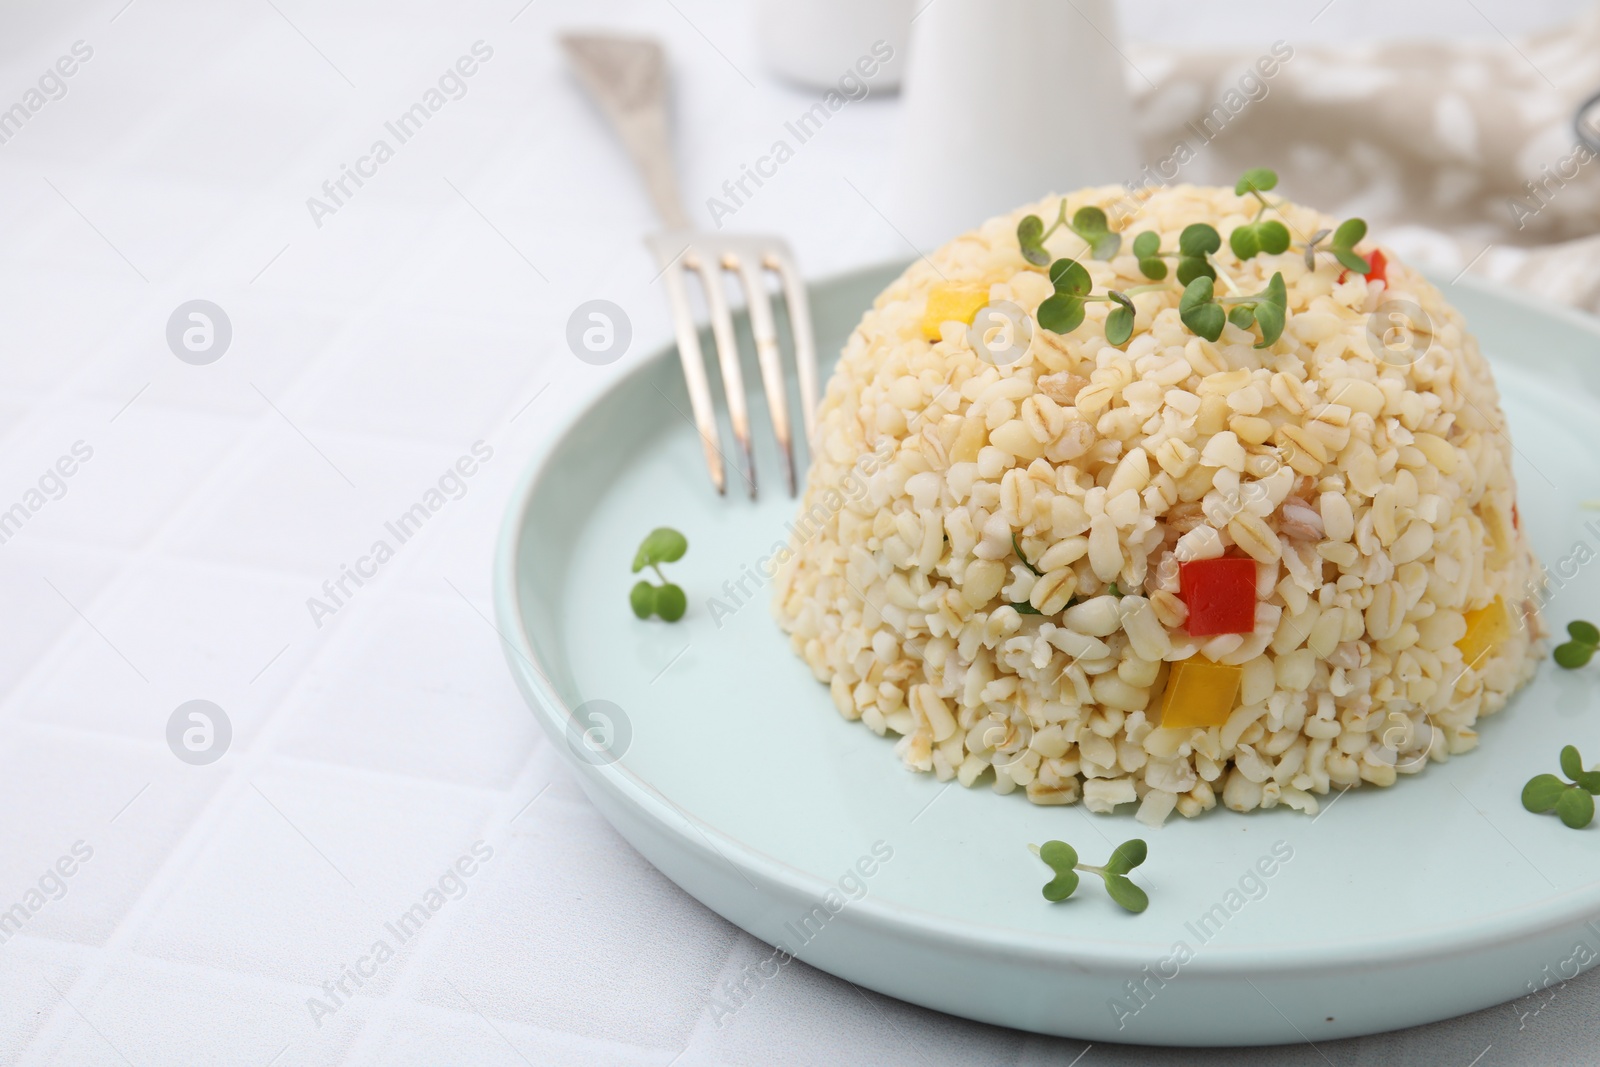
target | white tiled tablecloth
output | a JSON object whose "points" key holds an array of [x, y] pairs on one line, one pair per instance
{"points": [[374, 747]]}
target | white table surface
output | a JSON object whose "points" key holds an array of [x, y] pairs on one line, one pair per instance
{"points": [[371, 752]]}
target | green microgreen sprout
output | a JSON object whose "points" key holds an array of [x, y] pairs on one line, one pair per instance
{"points": [[1119, 323], [1266, 235], [1258, 235], [1030, 238], [1271, 236], [1311, 248], [1064, 311], [1195, 245], [1572, 767], [1255, 181], [1342, 247], [1203, 312], [1343, 244], [661, 545], [1200, 311], [1572, 801], [1062, 859], [1344, 240], [1089, 223], [1147, 249], [1578, 651]]}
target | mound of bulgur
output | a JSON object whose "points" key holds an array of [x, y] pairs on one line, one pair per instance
{"points": [[1375, 495]]}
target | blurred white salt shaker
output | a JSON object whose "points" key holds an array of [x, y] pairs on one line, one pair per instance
{"points": [[1005, 101], [816, 42]]}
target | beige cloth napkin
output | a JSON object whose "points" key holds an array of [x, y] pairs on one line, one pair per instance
{"points": [[1461, 155]]}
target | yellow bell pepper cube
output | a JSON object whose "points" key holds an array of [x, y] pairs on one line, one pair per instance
{"points": [[1199, 693], [948, 303], [1487, 627]]}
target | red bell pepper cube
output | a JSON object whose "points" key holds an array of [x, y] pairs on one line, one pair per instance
{"points": [[1379, 271], [1380, 267], [1220, 594]]}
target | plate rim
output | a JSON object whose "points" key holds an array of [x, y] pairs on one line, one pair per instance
{"points": [[709, 844]]}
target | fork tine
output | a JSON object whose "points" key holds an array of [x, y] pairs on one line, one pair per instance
{"points": [[781, 260], [694, 372], [758, 305], [727, 358]]}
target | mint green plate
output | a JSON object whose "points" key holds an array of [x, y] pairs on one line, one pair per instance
{"points": [[711, 748]]}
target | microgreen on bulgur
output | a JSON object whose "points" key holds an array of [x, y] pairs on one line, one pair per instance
{"points": [[1089, 223], [1195, 271]]}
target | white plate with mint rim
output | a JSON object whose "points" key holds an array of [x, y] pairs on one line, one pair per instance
{"points": [[709, 745]]}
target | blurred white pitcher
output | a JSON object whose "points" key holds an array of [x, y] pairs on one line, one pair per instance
{"points": [[1005, 101], [814, 42]]}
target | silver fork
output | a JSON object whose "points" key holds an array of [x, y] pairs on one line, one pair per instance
{"points": [[627, 77]]}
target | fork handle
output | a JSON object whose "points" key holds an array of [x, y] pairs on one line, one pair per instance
{"points": [[627, 77]]}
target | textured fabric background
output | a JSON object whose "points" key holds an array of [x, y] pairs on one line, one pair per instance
{"points": [[1464, 151]]}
